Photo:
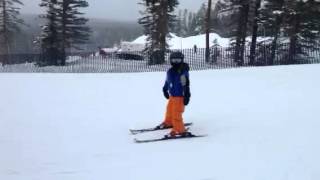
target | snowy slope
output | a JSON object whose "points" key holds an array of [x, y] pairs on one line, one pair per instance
{"points": [[263, 124], [187, 43], [177, 42]]}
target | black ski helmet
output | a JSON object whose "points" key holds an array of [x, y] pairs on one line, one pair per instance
{"points": [[176, 55]]}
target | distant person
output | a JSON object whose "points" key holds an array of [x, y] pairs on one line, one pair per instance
{"points": [[195, 49], [177, 90]]}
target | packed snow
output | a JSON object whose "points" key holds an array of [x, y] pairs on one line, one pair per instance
{"points": [[263, 124]]}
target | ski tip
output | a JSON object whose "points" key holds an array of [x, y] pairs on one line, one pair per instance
{"points": [[138, 141], [132, 132]]}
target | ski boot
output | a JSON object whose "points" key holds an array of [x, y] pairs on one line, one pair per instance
{"points": [[162, 126]]}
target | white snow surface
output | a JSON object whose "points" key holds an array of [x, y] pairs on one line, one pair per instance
{"points": [[262, 124], [188, 43]]}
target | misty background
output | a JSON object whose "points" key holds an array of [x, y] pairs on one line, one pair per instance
{"points": [[111, 22], [120, 10]]}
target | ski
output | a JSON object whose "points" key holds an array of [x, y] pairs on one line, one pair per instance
{"points": [[138, 131], [165, 138]]}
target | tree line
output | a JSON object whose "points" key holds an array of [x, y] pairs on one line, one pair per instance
{"points": [[65, 28], [294, 24], [190, 23]]}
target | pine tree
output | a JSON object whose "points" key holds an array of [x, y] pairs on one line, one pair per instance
{"points": [[240, 44], [189, 28], [272, 17], [50, 46], [200, 20], [185, 23], [190, 23], [9, 24], [256, 5], [237, 13], [73, 31], [178, 26], [208, 27], [193, 25], [311, 27], [301, 26], [147, 22], [158, 20], [65, 29]]}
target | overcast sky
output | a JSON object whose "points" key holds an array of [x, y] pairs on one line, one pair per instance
{"points": [[111, 9]]}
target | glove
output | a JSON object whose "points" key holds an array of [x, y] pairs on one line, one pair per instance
{"points": [[187, 96], [186, 100], [166, 94]]}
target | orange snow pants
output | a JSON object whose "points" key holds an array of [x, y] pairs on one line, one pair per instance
{"points": [[173, 116]]}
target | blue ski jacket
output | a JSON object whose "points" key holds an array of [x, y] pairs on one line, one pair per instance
{"points": [[177, 81]]}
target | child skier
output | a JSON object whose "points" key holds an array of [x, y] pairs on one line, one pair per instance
{"points": [[177, 90]]}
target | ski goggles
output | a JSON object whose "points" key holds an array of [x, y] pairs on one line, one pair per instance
{"points": [[176, 60]]}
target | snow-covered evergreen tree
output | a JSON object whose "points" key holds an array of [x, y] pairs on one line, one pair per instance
{"points": [[9, 24]]}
